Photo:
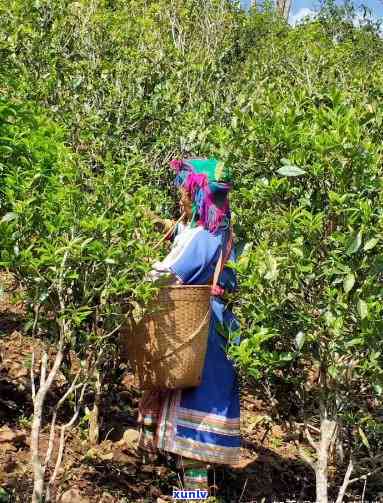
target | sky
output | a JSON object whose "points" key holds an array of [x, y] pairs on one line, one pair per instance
{"points": [[302, 8]]}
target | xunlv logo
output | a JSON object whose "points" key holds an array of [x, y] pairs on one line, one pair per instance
{"points": [[195, 494]]}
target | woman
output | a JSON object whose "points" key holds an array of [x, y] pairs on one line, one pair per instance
{"points": [[200, 425]]}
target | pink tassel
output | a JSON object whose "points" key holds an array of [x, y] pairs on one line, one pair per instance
{"points": [[195, 180], [212, 216], [217, 290], [176, 164]]}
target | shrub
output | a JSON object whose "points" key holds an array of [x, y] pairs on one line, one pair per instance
{"points": [[295, 112]]}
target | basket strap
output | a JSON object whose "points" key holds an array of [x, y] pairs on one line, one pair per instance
{"points": [[215, 289], [189, 339], [217, 271]]}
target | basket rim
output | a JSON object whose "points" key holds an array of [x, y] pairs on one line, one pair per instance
{"points": [[126, 301], [185, 286]]}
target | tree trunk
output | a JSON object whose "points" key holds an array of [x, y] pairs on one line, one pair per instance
{"points": [[283, 7], [327, 431], [38, 472], [38, 406]]}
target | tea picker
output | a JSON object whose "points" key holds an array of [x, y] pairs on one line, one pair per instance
{"points": [[190, 407]]}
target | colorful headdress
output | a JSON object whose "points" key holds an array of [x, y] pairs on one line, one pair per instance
{"points": [[208, 182]]}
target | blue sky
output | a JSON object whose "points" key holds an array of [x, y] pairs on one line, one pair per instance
{"points": [[300, 8]]}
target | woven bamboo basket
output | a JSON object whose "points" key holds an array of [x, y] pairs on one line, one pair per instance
{"points": [[167, 348]]}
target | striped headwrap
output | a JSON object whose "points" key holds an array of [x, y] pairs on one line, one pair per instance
{"points": [[207, 181]]}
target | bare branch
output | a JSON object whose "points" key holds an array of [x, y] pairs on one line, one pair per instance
{"points": [[44, 362], [62, 434], [364, 489], [111, 333], [310, 439], [51, 439], [69, 391], [33, 386], [61, 278], [373, 459], [346, 482], [37, 311], [53, 422], [313, 428], [52, 374], [38, 404], [366, 475]]}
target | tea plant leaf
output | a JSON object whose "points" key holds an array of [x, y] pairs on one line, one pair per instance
{"points": [[272, 268], [348, 282], [290, 170], [362, 309], [355, 342], [8, 217], [300, 340], [363, 438], [355, 243], [370, 244]]}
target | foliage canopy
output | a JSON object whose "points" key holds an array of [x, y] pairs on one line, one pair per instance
{"points": [[297, 112]]}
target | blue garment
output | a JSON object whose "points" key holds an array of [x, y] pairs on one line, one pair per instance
{"points": [[205, 422], [201, 423]]}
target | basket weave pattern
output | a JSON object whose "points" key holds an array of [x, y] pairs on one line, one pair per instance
{"points": [[167, 347]]}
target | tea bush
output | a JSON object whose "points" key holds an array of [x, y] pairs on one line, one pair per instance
{"points": [[52, 207], [297, 114]]}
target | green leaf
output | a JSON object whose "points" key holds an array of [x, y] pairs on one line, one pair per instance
{"points": [[28, 325], [85, 242], [355, 243], [272, 269], [363, 438], [333, 372], [286, 356], [290, 170], [4, 496], [362, 309], [300, 340], [370, 244], [297, 251], [354, 342], [348, 282], [9, 216]]}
